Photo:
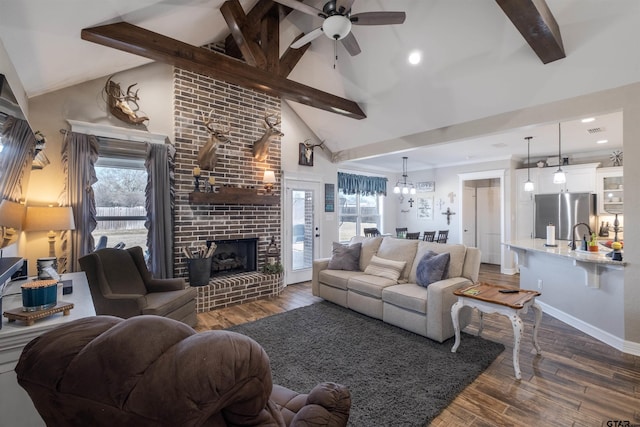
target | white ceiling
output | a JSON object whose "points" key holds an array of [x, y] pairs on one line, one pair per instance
{"points": [[475, 65]]}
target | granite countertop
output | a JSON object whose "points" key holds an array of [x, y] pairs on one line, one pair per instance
{"points": [[563, 250]]}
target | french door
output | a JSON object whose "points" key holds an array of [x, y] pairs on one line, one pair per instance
{"points": [[301, 231]]}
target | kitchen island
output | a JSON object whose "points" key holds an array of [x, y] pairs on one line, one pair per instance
{"points": [[582, 289]]}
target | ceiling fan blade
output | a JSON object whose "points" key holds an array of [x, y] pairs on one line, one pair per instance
{"points": [[351, 44], [306, 38], [343, 6], [309, 10], [378, 18]]}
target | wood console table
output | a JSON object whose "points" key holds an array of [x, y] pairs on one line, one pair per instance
{"points": [[488, 299], [15, 406]]}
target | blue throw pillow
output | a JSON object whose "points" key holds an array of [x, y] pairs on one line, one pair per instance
{"points": [[432, 268], [345, 257]]}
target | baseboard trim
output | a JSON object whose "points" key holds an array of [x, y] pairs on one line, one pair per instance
{"points": [[618, 343]]}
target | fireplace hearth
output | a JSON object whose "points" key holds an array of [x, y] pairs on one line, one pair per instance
{"points": [[234, 256]]}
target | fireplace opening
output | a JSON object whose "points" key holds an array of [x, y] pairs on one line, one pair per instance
{"points": [[234, 256]]}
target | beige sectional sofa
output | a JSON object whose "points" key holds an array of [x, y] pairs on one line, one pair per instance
{"points": [[423, 310]]}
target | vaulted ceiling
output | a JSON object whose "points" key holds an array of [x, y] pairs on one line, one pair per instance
{"points": [[475, 64]]}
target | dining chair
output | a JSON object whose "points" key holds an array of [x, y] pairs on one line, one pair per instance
{"points": [[442, 236], [429, 236], [413, 236], [401, 232], [371, 232]]}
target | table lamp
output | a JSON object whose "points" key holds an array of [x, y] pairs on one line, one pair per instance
{"points": [[11, 217], [51, 219]]}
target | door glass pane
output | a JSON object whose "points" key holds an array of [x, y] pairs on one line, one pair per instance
{"points": [[302, 236]]}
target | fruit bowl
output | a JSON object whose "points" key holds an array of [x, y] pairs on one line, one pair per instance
{"points": [[608, 243]]}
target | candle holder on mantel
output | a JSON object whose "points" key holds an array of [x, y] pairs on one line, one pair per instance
{"points": [[196, 182]]}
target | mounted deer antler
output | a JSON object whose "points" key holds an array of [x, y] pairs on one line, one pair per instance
{"points": [[307, 149], [120, 102], [207, 155], [261, 146]]}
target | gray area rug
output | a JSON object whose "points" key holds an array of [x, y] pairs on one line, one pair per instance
{"points": [[396, 378]]}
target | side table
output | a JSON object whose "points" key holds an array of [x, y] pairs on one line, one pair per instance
{"points": [[487, 298]]}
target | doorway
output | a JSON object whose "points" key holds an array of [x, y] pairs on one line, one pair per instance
{"points": [[482, 218], [301, 230]]}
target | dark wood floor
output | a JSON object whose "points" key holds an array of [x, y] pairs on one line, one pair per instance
{"points": [[577, 381]]}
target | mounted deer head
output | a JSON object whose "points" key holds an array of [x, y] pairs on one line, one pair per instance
{"points": [[207, 155], [308, 150], [120, 103], [261, 146]]}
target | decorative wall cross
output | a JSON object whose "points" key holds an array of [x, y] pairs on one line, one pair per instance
{"points": [[411, 202], [452, 197], [448, 213]]}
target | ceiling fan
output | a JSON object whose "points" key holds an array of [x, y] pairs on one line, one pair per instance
{"points": [[338, 20]]}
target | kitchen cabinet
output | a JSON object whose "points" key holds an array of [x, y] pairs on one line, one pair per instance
{"points": [[525, 203], [580, 179], [610, 182]]}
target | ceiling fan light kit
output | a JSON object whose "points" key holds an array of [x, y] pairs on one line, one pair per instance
{"points": [[336, 27]]}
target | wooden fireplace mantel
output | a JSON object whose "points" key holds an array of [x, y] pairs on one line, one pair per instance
{"points": [[233, 196]]}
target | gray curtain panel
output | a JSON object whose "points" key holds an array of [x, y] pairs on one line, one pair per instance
{"points": [[160, 164], [17, 155], [79, 155]]}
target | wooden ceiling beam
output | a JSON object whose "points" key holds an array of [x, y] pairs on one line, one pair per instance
{"points": [[243, 33], [139, 41], [291, 57], [537, 25], [270, 41]]}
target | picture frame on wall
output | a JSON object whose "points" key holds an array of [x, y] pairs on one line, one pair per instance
{"points": [[425, 186], [305, 155], [425, 208]]}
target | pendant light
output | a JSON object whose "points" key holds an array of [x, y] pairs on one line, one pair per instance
{"points": [[559, 177], [528, 186], [404, 187]]}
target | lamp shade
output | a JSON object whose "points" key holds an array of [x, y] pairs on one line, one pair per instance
{"points": [[11, 214], [49, 218], [269, 177]]}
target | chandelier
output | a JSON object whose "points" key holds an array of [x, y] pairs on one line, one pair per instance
{"points": [[403, 186]]}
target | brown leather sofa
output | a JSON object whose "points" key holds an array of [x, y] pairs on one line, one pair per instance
{"points": [[153, 371], [121, 285]]}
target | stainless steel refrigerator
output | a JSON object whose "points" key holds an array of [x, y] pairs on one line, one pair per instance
{"points": [[564, 210]]}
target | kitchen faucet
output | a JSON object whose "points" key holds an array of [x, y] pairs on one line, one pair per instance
{"points": [[573, 234]]}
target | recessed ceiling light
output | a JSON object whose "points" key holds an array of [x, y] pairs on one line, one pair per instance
{"points": [[588, 120], [415, 57], [602, 141]]}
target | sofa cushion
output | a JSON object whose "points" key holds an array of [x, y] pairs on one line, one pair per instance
{"points": [[345, 257], [399, 250], [366, 284], [457, 253], [337, 278], [370, 246], [432, 267], [383, 267], [408, 296]]}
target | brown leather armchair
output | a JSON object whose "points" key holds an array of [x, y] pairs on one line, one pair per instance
{"points": [[121, 285], [152, 371]]}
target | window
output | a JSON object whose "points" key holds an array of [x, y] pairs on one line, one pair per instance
{"points": [[358, 212], [120, 201]]}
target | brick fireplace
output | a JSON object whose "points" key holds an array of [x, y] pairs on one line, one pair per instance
{"points": [[197, 222]]}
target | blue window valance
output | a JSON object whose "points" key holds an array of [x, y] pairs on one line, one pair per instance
{"points": [[364, 185]]}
